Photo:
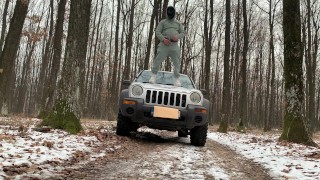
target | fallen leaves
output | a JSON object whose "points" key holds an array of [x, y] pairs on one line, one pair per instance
{"points": [[48, 144], [315, 155], [21, 128], [79, 155], [7, 137], [43, 129], [44, 149]]}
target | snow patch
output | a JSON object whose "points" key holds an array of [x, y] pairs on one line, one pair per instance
{"points": [[285, 161], [45, 150]]}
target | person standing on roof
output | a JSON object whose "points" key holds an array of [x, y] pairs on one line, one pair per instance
{"points": [[169, 32]]}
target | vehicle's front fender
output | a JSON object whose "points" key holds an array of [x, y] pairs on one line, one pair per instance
{"points": [[124, 94], [206, 104]]}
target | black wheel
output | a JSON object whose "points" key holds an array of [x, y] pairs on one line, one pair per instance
{"points": [[183, 133], [198, 135], [125, 125]]}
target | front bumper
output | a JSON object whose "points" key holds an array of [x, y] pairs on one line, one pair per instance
{"points": [[142, 113]]}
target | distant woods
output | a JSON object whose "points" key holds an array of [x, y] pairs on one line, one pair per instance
{"points": [[246, 57]]}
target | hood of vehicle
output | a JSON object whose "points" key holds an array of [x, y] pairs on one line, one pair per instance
{"points": [[163, 87]]}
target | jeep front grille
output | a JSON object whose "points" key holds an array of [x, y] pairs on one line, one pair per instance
{"points": [[166, 98]]}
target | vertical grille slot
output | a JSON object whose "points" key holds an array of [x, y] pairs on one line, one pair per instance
{"points": [[172, 98], [160, 97], [184, 100], [178, 97], [148, 96], [154, 96], [166, 98]]}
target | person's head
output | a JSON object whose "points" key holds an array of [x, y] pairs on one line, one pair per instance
{"points": [[171, 12]]}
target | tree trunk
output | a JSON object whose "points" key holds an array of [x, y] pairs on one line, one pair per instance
{"points": [[90, 58], [184, 64], [8, 55], [50, 87], [19, 108], [67, 111], [226, 82], [243, 94], [236, 75], [208, 44], [310, 72], [150, 35], [294, 129], [315, 123], [4, 24], [45, 61], [91, 94], [127, 68], [115, 69]]}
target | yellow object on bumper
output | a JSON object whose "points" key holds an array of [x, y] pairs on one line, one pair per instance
{"points": [[129, 102]]}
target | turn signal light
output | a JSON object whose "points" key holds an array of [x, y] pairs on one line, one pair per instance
{"points": [[198, 110], [128, 102]]}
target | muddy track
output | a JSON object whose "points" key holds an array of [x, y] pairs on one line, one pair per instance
{"points": [[165, 156]]}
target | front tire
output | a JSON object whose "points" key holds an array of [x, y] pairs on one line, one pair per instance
{"points": [[125, 125], [198, 135]]}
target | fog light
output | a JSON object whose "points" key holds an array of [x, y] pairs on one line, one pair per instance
{"points": [[128, 102], [198, 119], [199, 110], [130, 110]]}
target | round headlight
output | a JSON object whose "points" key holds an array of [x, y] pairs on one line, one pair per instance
{"points": [[195, 97], [137, 90]]}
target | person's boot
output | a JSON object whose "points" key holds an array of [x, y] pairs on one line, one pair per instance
{"points": [[153, 78], [177, 83]]}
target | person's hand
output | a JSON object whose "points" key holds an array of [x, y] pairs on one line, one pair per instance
{"points": [[166, 41], [175, 38]]}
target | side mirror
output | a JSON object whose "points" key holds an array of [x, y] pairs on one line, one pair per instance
{"points": [[203, 91], [126, 83]]}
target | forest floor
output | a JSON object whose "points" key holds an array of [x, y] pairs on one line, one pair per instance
{"points": [[97, 153]]}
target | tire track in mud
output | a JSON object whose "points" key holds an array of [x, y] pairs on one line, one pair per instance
{"points": [[162, 155]]}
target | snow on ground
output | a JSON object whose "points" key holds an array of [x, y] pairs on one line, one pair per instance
{"points": [[175, 159], [283, 160], [181, 162], [25, 151]]}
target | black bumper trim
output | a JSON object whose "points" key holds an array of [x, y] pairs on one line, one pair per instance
{"points": [[142, 115]]}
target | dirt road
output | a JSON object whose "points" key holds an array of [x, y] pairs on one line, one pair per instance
{"points": [[162, 155]]}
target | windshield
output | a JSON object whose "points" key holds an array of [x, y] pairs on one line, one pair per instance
{"points": [[166, 78]]}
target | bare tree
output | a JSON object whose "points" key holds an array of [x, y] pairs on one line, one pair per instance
{"points": [[67, 110], [226, 74], [50, 85], [127, 68], [294, 129], [8, 55], [150, 35], [208, 30], [243, 94], [46, 58], [4, 24]]}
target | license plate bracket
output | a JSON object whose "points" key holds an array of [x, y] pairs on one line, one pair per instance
{"points": [[166, 112]]}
